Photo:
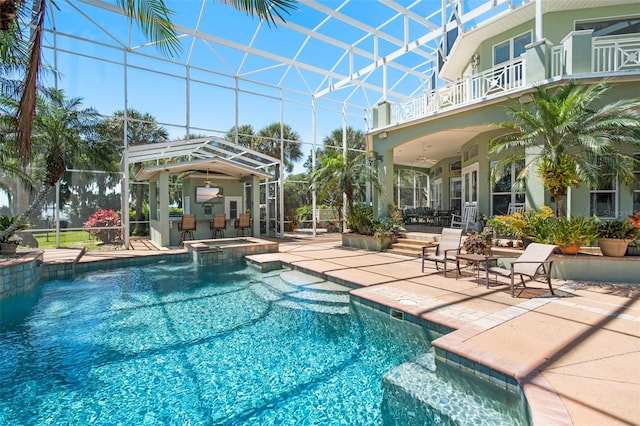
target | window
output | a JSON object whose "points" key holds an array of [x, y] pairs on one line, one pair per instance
{"points": [[470, 183], [510, 49], [471, 152], [636, 191], [604, 197], [611, 26], [505, 191]]}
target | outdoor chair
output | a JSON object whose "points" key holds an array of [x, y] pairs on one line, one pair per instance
{"points": [[447, 250], [186, 227], [515, 207], [467, 218], [533, 263], [218, 225], [243, 224]]}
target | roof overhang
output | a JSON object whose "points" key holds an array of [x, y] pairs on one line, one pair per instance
{"points": [[214, 168], [212, 155]]}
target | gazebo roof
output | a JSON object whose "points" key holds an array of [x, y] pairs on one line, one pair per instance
{"points": [[212, 155]]}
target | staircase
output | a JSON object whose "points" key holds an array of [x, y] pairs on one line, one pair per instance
{"points": [[297, 290], [411, 243]]}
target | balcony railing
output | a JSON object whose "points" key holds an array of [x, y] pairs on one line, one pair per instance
{"points": [[506, 77], [610, 54], [613, 54]]}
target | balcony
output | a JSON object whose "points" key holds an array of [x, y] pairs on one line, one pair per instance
{"points": [[610, 55]]}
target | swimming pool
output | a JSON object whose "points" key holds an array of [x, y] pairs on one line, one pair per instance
{"points": [[178, 344]]}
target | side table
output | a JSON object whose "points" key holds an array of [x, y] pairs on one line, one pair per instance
{"points": [[476, 260]]}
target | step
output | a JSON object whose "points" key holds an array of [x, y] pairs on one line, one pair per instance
{"points": [[418, 389], [420, 236], [411, 253], [324, 309], [324, 297]]}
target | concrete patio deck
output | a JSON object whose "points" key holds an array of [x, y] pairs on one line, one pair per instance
{"points": [[576, 355]]}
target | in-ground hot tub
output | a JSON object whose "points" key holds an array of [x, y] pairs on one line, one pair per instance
{"points": [[227, 250]]}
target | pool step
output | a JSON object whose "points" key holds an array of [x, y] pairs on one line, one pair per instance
{"points": [[414, 390], [297, 290]]}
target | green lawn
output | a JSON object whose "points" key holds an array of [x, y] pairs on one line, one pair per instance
{"points": [[68, 239]]}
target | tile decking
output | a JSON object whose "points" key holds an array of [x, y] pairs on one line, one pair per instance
{"points": [[576, 356]]}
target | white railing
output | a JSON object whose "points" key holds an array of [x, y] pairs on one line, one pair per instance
{"points": [[500, 79], [615, 53], [557, 62]]}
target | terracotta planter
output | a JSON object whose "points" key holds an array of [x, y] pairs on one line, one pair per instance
{"points": [[613, 247], [570, 249]]}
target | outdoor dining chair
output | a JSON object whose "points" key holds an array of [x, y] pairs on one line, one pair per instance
{"points": [[187, 226], [446, 251], [218, 225], [533, 263]]}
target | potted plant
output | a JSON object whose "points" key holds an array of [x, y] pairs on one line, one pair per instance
{"points": [[569, 234], [478, 242], [10, 242], [614, 236], [531, 226], [634, 246]]}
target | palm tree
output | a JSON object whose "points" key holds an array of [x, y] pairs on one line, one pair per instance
{"points": [[141, 129], [267, 141], [64, 133], [568, 139], [338, 175], [153, 18]]}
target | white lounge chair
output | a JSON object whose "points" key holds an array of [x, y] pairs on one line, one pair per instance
{"points": [[533, 263], [447, 250], [515, 207]]}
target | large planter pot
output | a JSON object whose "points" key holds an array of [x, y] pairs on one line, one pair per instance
{"points": [[570, 249], [365, 242], [8, 248], [633, 251], [613, 247]]}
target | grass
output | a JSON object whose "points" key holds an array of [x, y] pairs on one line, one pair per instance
{"points": [[69, 239]]}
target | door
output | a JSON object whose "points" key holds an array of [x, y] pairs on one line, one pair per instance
{"points": [[470, 183], [232, 207]]}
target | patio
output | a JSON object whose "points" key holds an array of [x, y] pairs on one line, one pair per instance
{"points": [[585, 342]]}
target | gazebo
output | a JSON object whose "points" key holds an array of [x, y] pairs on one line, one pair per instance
{"points": [[218, 176]]}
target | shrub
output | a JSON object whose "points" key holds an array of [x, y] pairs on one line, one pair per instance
{"points": [[101, 219], [360, 219], [478, 243], [621, 229]]}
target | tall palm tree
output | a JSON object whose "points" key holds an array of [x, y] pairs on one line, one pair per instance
{"points": [[64, 133], [338, 175], [568, 139], [267, 141]]}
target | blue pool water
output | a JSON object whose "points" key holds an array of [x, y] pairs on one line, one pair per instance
{"points": [[175, 344]]}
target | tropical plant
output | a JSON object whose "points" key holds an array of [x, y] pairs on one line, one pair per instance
{"points": [[635, 219], [11, 222], [535, 225], [337, 175], [360, 219], [104, 218], [622, 229], [569, 139], [478, 242], [574, 231]]}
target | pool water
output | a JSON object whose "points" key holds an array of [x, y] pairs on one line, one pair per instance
{"points": [[174, 344]]}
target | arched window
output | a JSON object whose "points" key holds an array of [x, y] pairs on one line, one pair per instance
{"points": [[471, 152]]}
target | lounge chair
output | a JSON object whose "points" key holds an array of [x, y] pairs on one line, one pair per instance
{"points": [[533, 263], [447, 249]]}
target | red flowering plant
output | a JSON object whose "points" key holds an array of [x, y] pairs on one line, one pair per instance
{"points": [[635, 219], [104, 218]]}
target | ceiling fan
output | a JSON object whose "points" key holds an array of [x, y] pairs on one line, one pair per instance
{"points": [[207, 183], [422, 158]]}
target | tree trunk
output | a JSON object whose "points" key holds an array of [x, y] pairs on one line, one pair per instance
{"points": [[560, 204]]}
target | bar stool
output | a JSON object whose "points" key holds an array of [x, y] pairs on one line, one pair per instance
{"points": [[218, 225], [186, 227]]}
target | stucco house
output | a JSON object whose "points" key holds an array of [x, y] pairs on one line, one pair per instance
{"points": [[441, 136]]}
